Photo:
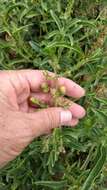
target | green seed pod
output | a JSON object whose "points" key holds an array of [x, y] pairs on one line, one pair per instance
{"points": [[45, 87], [34, 100], [62, 90], [38, 102]]}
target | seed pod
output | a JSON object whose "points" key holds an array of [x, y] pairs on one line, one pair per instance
{"points": [[45, 87], [62, 90], [34, 100], [38, 102]]}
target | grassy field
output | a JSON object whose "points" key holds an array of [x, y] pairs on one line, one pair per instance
{"points": [[68, 37]]}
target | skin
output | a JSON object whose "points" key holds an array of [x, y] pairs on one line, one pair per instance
{"points": [[19, 123]]}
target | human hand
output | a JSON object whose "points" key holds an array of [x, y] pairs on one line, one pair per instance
{"points": [[19, 123]]}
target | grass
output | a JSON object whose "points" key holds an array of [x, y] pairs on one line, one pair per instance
{"points": [[69, 38]]}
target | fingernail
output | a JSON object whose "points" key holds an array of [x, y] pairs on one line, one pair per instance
{"points": [[83, 92], [66, 117]]}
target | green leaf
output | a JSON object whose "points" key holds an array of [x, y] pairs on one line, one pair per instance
{"points": [[35, 46], [96, 169], [51, 184], [56, 19], [63, 45], [73, 143]]}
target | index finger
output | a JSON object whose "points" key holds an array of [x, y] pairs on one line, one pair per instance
{"points": [[72, 88], [36, 78]]}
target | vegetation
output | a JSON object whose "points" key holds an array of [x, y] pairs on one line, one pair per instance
{"points": [[69, 38]]}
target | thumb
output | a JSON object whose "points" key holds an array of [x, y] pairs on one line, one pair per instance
{"points": [[43, 121]]}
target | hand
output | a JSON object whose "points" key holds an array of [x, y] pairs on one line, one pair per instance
{"points": [[19, 123]]}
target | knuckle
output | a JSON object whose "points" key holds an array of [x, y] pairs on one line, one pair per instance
{"points": [[50, 119]]}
